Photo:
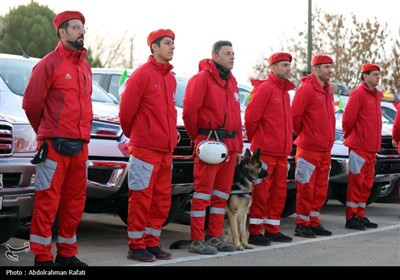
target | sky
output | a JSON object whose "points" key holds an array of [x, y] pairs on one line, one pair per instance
{"points": [[256, 28]]}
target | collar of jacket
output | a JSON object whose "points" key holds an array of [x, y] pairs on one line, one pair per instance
{"points": [[373, 91], [162, 67], [76, 56], [209, 66], [311, 79], [281, 83]]}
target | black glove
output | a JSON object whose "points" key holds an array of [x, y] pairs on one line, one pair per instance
{"points": [[41, 154]]}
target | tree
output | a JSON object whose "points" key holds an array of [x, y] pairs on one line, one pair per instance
{"points": [[28, 30], [350, 44], [114, 54]]}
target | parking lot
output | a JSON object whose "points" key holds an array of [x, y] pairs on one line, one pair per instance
{"points": [[103, 242]]}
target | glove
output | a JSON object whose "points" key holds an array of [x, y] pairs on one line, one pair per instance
{"points": [[41, 154]]}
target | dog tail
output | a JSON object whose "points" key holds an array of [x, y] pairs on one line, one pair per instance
{"points": [[180, 244]]}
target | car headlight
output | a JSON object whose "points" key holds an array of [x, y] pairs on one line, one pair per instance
{"points": [[24, 138], [102, 129], [339, 135]]}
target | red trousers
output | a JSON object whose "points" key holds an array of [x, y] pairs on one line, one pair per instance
{"points": [[269, 197], [212, 185], [312, 181], [360, 182], [60, 187], [149, 182]]}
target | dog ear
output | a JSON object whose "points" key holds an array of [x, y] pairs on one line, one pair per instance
{"points": [[256, 155], [247, 153]]}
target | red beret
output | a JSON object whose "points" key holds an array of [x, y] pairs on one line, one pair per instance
{"points": [[65, 16], [279, 56], [321, 59], [159, 34], [369, 67]]}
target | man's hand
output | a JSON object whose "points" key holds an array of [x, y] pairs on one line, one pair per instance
{"points": [[238, 158], [394, 143]]}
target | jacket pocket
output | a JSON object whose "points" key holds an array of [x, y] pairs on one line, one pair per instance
{"points": [[355, 163], [304, 171], [44, 174], [139, 174]]}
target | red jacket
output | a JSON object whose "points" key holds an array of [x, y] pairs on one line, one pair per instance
{"points": [[396, 128], [210, 103], [57, 100], [314, 115], [268, 119], [362, 119], [147, 108]]}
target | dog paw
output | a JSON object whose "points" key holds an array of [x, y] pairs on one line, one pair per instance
{"points": [[248, 246], [239, 248]]}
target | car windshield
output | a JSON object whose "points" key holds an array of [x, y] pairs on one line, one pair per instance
{"points": [[16, 73]]}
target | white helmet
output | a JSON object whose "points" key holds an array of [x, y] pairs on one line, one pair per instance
{"points": [[212, 152]]}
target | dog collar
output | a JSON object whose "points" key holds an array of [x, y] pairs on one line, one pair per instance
{"points": [[240, 192]]}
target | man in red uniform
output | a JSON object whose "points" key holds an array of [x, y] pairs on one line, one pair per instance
{"points": [[268, 122], [148, 117], [314, 123], [58, 104], [362, 117], [212, 104]]}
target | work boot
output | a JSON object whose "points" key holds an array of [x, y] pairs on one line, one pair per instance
{"points": [[220, 245], [367, 223], [201, 247], [159, 253], [278, 237], [259, 240], [68, 261], [141, 255], [304, 231], [355, 224], [320, 230]]}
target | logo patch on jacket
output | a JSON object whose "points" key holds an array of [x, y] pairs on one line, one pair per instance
{"points": [[237, 96], [68, 76]]}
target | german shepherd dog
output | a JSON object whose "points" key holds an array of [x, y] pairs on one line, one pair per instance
{"points": [[249, 170]]}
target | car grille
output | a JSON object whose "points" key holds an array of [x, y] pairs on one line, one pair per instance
{"points": [[184, 146], [387, 147], [182, 172], [6, 140]]}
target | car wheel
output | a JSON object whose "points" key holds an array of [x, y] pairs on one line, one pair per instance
{"points": [[340, 192], [389, 192], [182, 215], [123, 214], [184, 203], [8, 227], [24, 227], [290, 203]]}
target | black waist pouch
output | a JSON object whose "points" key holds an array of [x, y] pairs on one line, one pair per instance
{"points": [[68, 147]]}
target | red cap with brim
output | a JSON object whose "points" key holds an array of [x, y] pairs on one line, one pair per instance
{"points": [[369, 67], [321, 59], [65, 16], [159, 34], [280, 56]]}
